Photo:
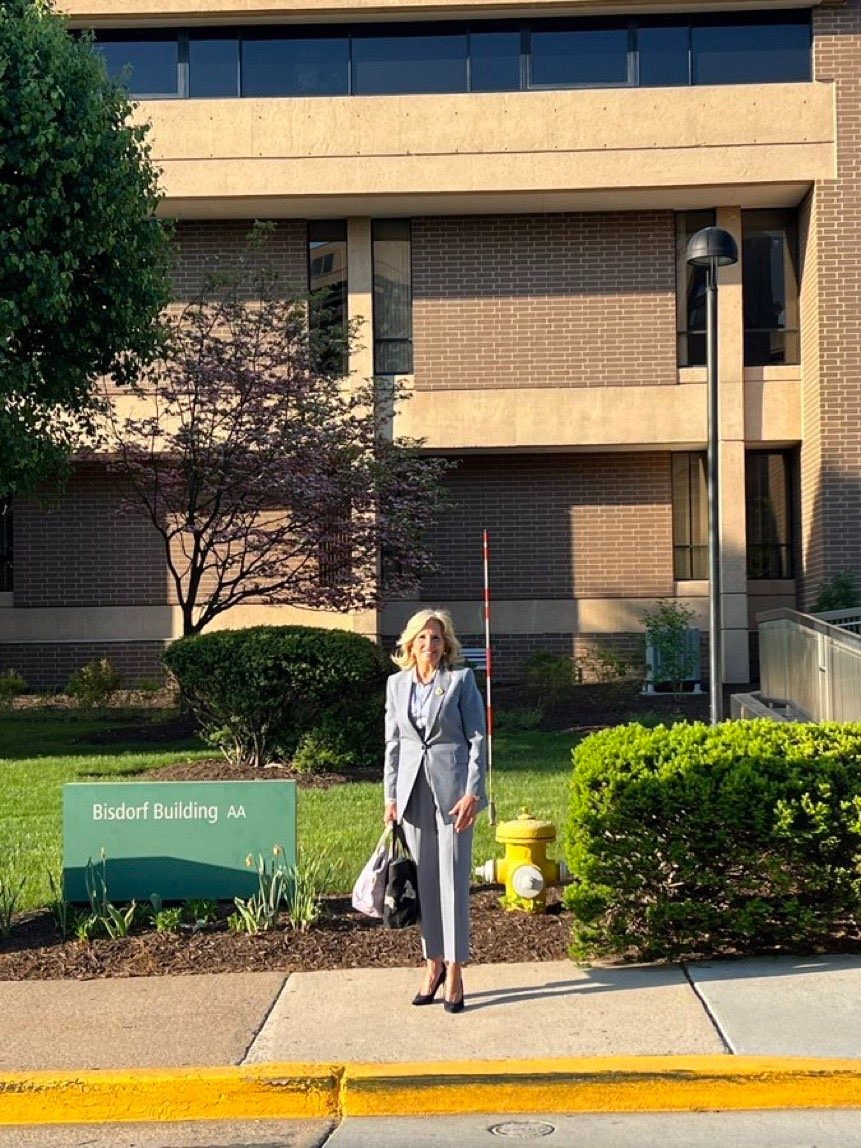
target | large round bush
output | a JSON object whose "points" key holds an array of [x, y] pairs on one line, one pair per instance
{"points": [[741, 837], [261, 691]]}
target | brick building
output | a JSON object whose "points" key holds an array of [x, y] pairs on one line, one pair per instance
{"points": [[505, 197]]}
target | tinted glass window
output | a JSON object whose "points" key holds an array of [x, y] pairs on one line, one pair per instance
{"points": [[751, 53], [327, 282], [591, 57], [690, 291], [393, 301], [213, 67], [146, 67], [663, 54], [299, 66], [409, 63], [494, 61], [770, 287], [690, 517], [769, 515]]}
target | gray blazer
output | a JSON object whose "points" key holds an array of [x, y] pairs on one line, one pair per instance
{"points": [[454, 742]]}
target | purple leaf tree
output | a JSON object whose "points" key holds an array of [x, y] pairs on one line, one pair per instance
{"points": [[269, 475]]}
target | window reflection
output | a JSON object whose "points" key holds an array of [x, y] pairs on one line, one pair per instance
{"points": [[690, 291], [213, 67], [770, 287], [327, 285], [664, 52], [690, 517], [590, 57], [393, 319], [494, 61], [413, 62], [751, 53], [295, 66], [769, 515], [479, 56], [146, 67]]}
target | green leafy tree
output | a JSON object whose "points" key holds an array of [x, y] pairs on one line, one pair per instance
{"points": [[84, 264]]}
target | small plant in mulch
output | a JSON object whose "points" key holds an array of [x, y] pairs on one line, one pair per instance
{"points": [[11, 685], [94, 684]]}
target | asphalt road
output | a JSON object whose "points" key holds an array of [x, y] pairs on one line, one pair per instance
{"points": [[787, 1129]]}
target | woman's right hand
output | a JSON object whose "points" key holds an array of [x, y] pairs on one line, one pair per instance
{"points": [[391, 813]]}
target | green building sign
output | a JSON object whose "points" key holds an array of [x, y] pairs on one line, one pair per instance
{"points": [[176, 839]]}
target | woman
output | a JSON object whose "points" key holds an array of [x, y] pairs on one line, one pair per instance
{"points": [[434, 783]]}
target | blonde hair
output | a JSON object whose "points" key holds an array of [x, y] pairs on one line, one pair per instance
{"points": [[451, 654]]}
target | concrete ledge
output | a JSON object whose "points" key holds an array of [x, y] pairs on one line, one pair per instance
{"points": [[589, 1084]]}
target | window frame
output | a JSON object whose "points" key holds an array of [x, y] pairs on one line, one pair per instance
{"points": [[788, 457], [339, 229], [378, 340], [468, 27], [790, 251], [691, 550], [684, 272]]}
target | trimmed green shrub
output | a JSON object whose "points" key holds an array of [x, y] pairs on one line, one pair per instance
{"points": [[260, 691], [841, 593], [11, 684], [94, 684], [694, 840]]}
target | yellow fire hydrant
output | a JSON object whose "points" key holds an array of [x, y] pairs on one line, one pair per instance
{"points": [[525, 869]]}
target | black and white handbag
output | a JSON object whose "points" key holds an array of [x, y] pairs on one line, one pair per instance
{"points": [[401, 902]]}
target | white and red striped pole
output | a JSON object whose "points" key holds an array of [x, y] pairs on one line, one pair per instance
{"points": [[491, 808]]}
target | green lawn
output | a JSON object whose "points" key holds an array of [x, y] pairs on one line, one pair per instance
{"points": [[41, 750]]}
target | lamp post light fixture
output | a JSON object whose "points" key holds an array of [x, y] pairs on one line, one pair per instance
{"points": [[712, 248]]}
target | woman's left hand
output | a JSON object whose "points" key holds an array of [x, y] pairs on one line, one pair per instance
{"points": [[464, 812]]}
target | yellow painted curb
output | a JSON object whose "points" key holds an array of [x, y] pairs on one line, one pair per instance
{"points": [[290, 1091], [278, 1091], [599, 1084]]}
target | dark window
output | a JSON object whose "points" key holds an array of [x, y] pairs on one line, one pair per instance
{"points": [[664, 55], [494, 61], [770, 287], [327, 284], [749, 53], [5, 546], [588, 57], [414, 62], [393, 304], [690, 517], [769, 514], [298, 65], [479, 56], [213, 66], [334, 552], [690, 291], [147, 67]]}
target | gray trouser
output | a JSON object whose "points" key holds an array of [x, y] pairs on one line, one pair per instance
{"points": [[444, 862]]}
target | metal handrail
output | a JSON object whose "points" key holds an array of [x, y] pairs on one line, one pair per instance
{"points": [[812, 663]]}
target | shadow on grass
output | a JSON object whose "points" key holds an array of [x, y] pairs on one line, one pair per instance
{"points": [[56, 732]]}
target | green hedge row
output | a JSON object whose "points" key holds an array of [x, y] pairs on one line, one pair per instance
{"points": [[290, 692], [694, 840]]}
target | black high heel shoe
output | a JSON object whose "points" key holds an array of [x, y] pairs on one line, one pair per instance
{"points": [[455, 1006], [427, 998]]}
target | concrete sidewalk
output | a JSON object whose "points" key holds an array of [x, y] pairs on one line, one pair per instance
{"points": [[541, 1036]]}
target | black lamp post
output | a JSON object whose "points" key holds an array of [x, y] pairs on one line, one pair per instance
{"points": [[712, 248]]}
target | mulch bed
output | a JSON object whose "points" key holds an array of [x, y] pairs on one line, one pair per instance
{"points": [[341, 939]]}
